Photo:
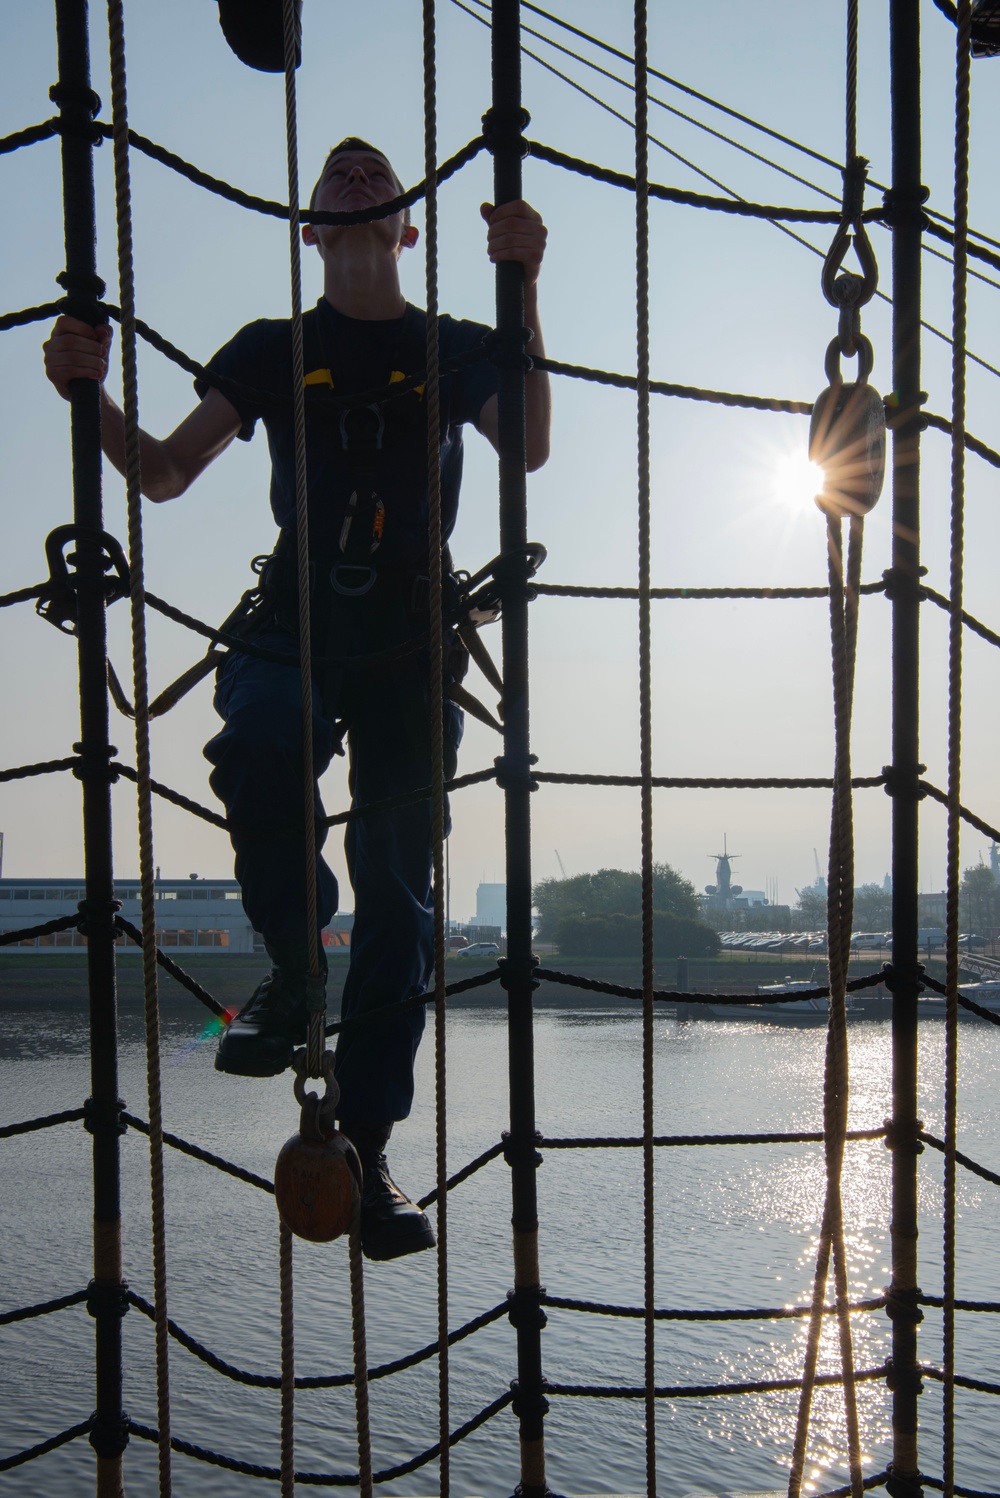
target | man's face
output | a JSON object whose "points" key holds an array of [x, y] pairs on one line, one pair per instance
{"points": [[353, 180]]}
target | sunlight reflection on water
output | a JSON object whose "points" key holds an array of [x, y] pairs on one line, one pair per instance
{"points": [[736, 1227]]}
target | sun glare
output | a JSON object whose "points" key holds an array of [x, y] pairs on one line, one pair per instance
{"points": [[796, 480]]}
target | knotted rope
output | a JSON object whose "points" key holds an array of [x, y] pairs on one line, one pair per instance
{"points": [[287, 1312], [955, 630], [140, 689], [435, 546], [645, 722]]}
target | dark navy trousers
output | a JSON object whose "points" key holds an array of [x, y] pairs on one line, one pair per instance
{"points": [[257, 759]]}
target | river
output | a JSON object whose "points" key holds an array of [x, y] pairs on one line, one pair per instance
{"points": [[735, 1227]]}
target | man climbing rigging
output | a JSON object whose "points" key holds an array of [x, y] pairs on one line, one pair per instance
{"points": [[368, 506]]}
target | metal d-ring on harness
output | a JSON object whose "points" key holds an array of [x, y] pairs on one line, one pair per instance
{"points": [[362, 429], [480, 601]]}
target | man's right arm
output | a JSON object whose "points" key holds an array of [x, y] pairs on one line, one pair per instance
{"points": [[170, 464]]}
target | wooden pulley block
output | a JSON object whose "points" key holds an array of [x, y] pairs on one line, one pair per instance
{"points": [[317, 1175], [255, 30], [847, 438]]}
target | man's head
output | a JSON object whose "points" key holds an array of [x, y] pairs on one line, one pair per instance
{"points": [[357, 174]]}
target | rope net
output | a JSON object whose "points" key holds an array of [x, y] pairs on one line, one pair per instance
{"points": [[62, 600]]}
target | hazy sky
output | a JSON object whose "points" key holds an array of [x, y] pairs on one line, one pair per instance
{"points": [[741, 688]]}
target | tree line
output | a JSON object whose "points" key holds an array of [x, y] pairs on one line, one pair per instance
{"points": [[600, 915]]}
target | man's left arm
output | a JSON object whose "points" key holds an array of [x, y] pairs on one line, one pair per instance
{"points": [[515, 232]]}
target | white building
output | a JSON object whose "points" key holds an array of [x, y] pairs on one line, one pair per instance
{"points": [[491, 906], [204, 914]]}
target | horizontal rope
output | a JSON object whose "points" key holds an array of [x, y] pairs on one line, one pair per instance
{"points": [[47, 928], [960, 1305], [706, 1391], [876, 1480], [51, 1120], [712, 782], [320, 1381], [979, 1385], [403, 1006], [964, 1001], [935, 1483], [681, 1140], [970, 1165], [463, 1175], [672, 996], [967, 619], [280, 657], [205, 1156], [973, 444], [30, 314], [773, 1313], [23, 595], [43, 1308], [27, 137], [324, 1479], [567, 590], [273, 209], [967, 816], [31, 1452], [411, 798], [948, 235], [43, 767], [169, 966], [315, 396], [693, 199], [575, 371], [683, 392], [175, 798]]}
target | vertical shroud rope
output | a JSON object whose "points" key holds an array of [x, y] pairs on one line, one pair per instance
{"points": [[317, 1016], [844, 601], [140, 687], [645, 723], [316, 1037], [435, 547], [504, 124], [360, 1346], [963, 69], [286, 1264]]}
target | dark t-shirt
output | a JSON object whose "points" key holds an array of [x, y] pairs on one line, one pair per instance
{"points": [[347, 355]]}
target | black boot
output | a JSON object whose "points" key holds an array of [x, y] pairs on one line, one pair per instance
{"points": [[259, 1042], [391, 1225]]}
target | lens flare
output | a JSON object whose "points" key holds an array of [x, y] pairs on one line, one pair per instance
{"points": [[796, 480], [216, 1024]]}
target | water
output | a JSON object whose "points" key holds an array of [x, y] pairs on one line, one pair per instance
{"points": [[736, 1226]]}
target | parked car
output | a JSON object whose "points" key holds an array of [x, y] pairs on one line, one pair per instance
{"points": [[479, 949]]}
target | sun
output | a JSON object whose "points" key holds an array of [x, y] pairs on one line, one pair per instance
{"points": [[795, 480]]}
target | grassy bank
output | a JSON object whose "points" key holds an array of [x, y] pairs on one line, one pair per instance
{"points": [[61, 978]]}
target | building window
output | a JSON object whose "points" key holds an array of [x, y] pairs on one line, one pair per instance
{"points": [[5, 894], [176, 938], [213, 938]]}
